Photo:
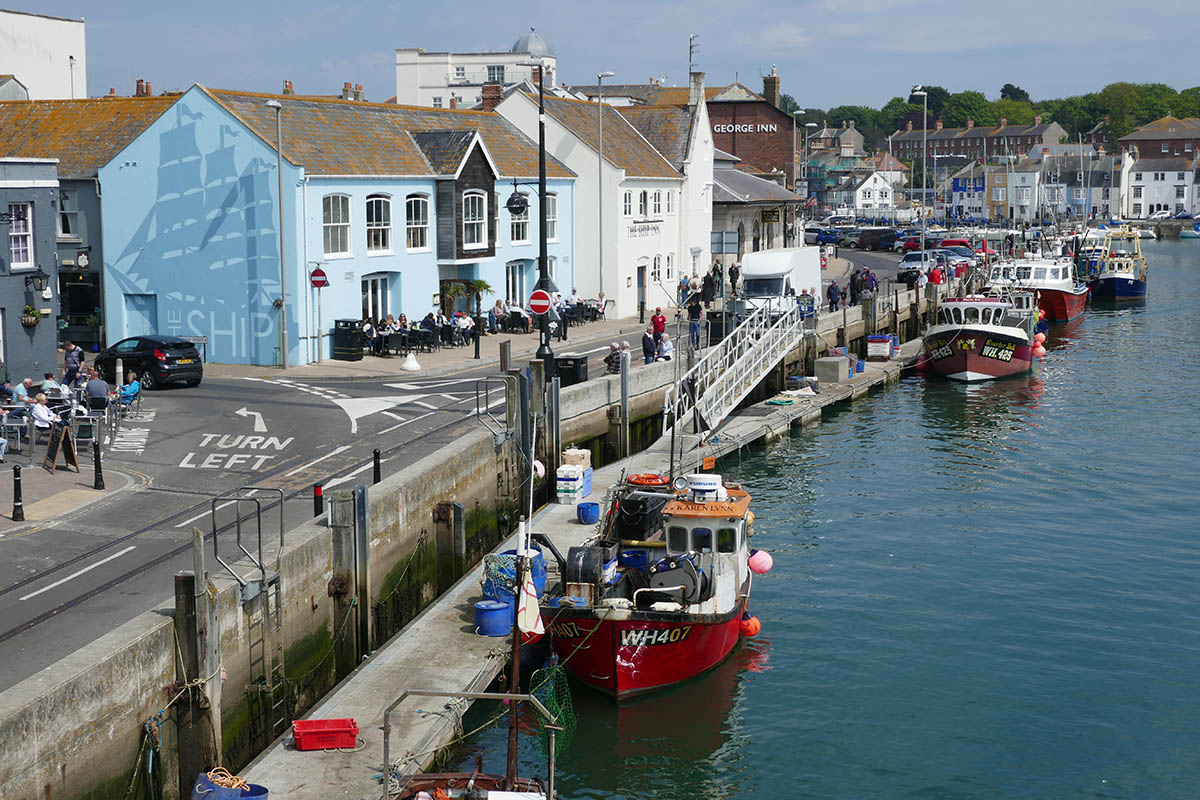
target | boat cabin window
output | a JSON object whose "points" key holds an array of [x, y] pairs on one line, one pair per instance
{"points": [[971, 314], [997, 273], [1039, 274], [1054, 274], [1022, 273], [985, 316], [957, 312], [726, 540], [944, 316], [1008, 273], [702, 540], [677, 539]]}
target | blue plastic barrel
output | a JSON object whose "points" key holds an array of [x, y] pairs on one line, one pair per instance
{"points": [[255, 791], [860, 365], [493, 618], [588, 513]]}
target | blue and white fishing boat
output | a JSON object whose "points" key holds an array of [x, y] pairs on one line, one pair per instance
{"points": [[1190, 233], [1115, 268]]}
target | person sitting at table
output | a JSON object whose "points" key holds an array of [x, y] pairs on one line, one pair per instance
{"points": [[43, 417], [402, 323], [49, 385], [130, 390], [574, 299], [666, 348], [464, 325], [22, 399], [429, 323], [96, 390], [442, 319]]}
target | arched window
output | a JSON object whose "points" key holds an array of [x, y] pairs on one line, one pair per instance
{"points": [[519, 232], [643, 197], [552, 217], [335, 224], [474, 220], [670, 201], [416, 221], [670, 260], [379, 223], [627, 203], [658, 202]]}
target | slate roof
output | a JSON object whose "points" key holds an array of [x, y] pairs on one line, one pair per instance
{"points": [[649, 94], [668, 128], [1166, 128], [340, 137], [735, 186], [83, 135], [1162, 165], [444, 150], [624, 146]]}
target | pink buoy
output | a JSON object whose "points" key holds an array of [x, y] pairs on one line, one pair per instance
{"points": [[1039, 351], [1039, 337], [760, 562]]}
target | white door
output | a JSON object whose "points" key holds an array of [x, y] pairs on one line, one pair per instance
{"points": [[515, 282], [375, 297]]}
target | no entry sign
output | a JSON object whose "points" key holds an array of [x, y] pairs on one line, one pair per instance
{"points": [[318, 278], [539, 301]]}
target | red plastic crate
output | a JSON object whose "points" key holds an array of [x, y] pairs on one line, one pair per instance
{"points": [[324, 734]]}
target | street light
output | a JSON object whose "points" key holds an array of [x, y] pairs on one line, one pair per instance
{"points": [[919, 91], [804, 165], [544, 351], [600, 76], [283, 331]]}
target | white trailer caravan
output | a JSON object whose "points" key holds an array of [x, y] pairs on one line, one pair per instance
{"points": [[768, 275]]}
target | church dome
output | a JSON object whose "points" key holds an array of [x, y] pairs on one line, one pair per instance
{"points": [[534, 44]]}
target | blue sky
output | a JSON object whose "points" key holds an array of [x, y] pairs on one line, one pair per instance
{"points": [[828, 52]]}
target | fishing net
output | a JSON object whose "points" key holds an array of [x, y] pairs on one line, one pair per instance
{"points": [[500, 575], [549, 685]]}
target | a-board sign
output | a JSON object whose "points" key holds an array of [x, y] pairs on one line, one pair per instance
{"points": [[60, 439]]}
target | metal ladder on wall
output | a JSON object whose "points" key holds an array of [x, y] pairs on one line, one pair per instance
{"points": [[709, 392], [268, 693]]}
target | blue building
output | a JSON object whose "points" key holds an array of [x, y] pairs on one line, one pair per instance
{"points": [[390, 202]]}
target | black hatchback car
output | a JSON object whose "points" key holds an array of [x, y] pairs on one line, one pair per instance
{"points": [[158, 360]]}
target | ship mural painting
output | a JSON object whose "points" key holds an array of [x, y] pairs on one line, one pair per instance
{"points": [[203, 260]]}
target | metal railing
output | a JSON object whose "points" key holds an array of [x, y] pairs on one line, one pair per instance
{"points": [[729, 371]]}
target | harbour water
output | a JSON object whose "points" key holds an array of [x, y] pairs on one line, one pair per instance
{"points": [[989, 591]]}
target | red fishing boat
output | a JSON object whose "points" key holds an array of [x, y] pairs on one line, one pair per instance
{"points": [[982, 337], [1057, 287], [660, 596]]}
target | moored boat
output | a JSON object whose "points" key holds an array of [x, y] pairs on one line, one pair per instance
{"points": [[660, 596], [1115, 268], [982, 337], [1190, 233], [1059, 292]]}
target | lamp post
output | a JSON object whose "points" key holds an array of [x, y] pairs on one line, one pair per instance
{"points": [[600, 76], [544, 352], [283, 324], [919, 91]]}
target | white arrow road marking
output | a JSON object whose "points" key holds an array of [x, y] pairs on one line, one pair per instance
{"points": [[259, 425], [433, 384], [358, 407], [83, 571]]}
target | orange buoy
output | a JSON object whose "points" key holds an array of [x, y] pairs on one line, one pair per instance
{"points": [[647, 479], [750, 625], [1039, 337]]}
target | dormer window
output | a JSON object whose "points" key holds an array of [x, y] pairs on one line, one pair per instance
{"points": [[474, 220]]}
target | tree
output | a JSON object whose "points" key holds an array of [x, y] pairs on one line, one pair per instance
{"points": [[967, 105], [788, 104], [1010, 92], [891, 116], [937, 99], [1120, 102], [1015, 111]]}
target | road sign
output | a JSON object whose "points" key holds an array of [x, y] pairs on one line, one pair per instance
{"points": [[318, 278], [539, 301]]}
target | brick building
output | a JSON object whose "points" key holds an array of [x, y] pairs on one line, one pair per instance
{"points": [[1165, 137]]}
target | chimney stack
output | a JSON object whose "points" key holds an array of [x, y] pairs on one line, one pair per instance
{"points": [[493, 93], [141, 88], [970, 123], [358, 92], [1003, 122], [112, 92], [771, 87], [908, 125], [288, 88], [453, 101], [696, 89], [149, 91], [1037, 119], [937, 126], [536, 76]]}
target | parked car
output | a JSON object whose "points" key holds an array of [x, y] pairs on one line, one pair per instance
{"points": [[820, 236], [1164, 214], [913, 264], [1184, 215], [970, 255], [849, 237], [915, 243], [902, 241], [157, 360], [877, 239]]}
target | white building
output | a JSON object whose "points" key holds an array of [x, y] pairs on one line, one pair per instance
{"points": [[46, 55], [873, 192], [1025, 191], [1160, 184], [655, 217], [436, 79]]}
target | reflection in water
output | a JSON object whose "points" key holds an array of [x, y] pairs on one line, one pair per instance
{"points": [[683, 743]]}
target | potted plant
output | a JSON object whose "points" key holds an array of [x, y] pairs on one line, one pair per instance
{"points": [[30, 317]]}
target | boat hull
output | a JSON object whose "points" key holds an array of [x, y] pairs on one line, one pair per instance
{"points": [[649, 651], [1061, 305], [970, 355], [1117, 288]]}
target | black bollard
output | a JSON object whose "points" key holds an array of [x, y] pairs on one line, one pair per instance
{"points": [[18, 512], [318, 500], [378, 478], [642, 312], [99, 482]]}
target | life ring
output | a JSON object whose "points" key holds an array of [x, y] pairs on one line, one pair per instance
{"points": [[647, 479]]}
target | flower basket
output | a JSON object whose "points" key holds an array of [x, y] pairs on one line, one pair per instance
{"points": [[30, 320]]}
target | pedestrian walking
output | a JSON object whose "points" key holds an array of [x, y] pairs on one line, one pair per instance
{"points": [[72, 356], [834, 295], [734, 274], [658, 323], [649, 346], [706, 288], [694, 314]]}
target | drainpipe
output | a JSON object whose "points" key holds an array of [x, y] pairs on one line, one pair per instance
{"points": [[308, 311]]}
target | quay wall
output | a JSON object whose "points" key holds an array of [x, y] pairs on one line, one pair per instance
{"points": [[75, 730]]}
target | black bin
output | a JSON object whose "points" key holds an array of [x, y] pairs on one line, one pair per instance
{"points": [[347, 340], [719, 323], [572, 368]]}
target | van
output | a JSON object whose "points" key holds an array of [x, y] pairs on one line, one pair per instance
{"points": [[770, 275], [877, 239]]}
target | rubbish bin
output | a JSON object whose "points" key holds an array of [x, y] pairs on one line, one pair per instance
{"points": [[347, 340], [718, 321], [572, 368]]}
